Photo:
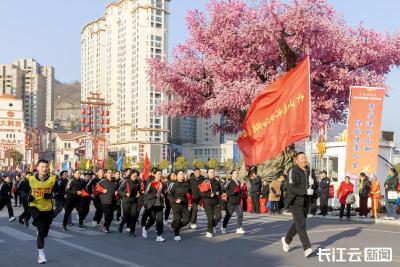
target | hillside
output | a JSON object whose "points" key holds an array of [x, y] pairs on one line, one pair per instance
{"points": [[67, 92]]}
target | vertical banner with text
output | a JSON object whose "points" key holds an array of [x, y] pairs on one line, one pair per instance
{"points": [[364, 129]]}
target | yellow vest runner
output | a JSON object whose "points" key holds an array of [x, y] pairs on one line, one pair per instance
{"points": [[39, 188]]}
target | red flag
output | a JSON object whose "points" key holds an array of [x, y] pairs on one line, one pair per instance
{"points": [[103, 163], [146, 168], [278, 116], [76, 164]]}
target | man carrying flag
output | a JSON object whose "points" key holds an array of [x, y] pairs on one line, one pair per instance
{"points": [[279, 116]]}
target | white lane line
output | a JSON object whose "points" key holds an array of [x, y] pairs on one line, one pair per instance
{"points": [[76, 230], [53, 233], [97, 254], [2, 241], [16, 233]]}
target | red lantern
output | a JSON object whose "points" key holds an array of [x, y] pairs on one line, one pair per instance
{"points": [[83, 111], [107, 130], [107, 121], [88, 111], [83, 120], [82, 128], [101, 121], [102, 112], [88, 129], [107, 113], [88, 120], [101, 130]]}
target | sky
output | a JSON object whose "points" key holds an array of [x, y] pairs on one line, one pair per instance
{"points": [[49, 31]]}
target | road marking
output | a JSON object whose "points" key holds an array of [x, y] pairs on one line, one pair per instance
{"points": [[16, 233], [80, 231], [53, 233], [97, 254], [2, 241]]}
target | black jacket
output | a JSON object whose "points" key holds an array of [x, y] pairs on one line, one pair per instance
{"points": [[365, 188], [178, 190], [324, 187], [91, 185], [60, 193], [215, 188], [194, 183], [265, 191], [72, 188], [255, 185], [154, 197], [298, 185], [108, 197], [5, 191], [23, 189], [232, 189], [131, 187]]}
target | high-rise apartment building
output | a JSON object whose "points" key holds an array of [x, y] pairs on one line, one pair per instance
{"points": [[115, 52], [34, 84]]}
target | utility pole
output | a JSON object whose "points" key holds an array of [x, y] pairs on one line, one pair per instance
{"points": [[91, 105]]}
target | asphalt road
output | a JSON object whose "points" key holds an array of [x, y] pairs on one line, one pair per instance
{"points": [[260, 246]]}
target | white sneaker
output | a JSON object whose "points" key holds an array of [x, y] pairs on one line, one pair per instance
{"points": [[386, 218], [240, 231], [177, 238], [165, 222], [193, 226], [285, 246], [11, 219], [144, 233], [160, 238], [41, 259], [209, 235], [308, 252], [127, 229], [392, 218], [215, 230], [223, 230], [94, 223]]}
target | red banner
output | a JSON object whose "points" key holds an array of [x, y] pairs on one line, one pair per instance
{"points": [[146, 168], [364, 130], [279, 116]]}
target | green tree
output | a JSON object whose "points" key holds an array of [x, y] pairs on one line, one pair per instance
{"points": [[229, 165], [140, 165], [127, 163], [82, 164], [198, 163], [397, 166], [110, 164], [213, 163], [181, 163], [164, 164]]}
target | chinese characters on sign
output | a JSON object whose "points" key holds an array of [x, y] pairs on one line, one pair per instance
{"points": [[354, 255], [364, 129]]}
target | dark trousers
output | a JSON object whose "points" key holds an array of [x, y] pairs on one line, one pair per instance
{"points": [[299, 214], [255, 201], [313, 206], [7, 203], [70, 205], [181, 217], [118, 208], [42, 221], [363, 206], [155, 215], [244, 203], [130, 212], [324, 204], [274, 207], [230, 209], [83, 209], [194, 210], [167, 210], [214, 215], [16, 198], [145, 217], [99, 210], [60, 204], [26, 214], [108, 214], [348, 206]]}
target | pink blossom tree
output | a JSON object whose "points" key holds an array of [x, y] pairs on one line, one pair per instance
{"points": [[237, 48]]}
